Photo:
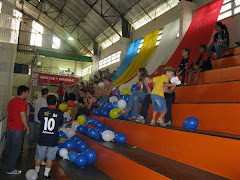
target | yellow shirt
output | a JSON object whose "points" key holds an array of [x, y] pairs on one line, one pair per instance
{"points": [[158, 81]]}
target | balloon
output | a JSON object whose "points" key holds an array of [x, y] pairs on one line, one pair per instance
{"points": [[135, 87], [82, 146], [63, 129], [72, 156], [125, 117], [76, 101], [69, 111], [121, 138], [62, 140], [75, 125], [122, 104], [59, 147], [120, 117], [126, 91], [190, 123], [75, 137], [108, 135], [62, 135], [131, 114], [70, 103], [105, 113], [107, 128], [89, 124], [63, 153], [81, 120], [114, 113], [100, 131], [116, 133], [31, 174], [113, 98], [63, 107], [66, 115], [91, 156], [108, 106], [121, 96], [127, 97], [93, 133], [81, 129], [81, 160], [115, 104], [91, 120], [101, 104], [151, 85], [70, 144], [101, 84], [96, 112], [78, 141], [73, 150], [99, 124], [70, 132]]}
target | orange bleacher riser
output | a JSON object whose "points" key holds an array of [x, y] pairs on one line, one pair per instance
{"points": [[234, 51], [226, 62]]}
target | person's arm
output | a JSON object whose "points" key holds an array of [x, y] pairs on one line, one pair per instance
{"points": [[25, 122], [110, 87], [166, 84], [171, 90], [147, 80], [85, 103], [223, 41]]}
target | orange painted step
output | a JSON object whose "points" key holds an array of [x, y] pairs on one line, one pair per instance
{"points": [[210, 153], [226, 62], [234, 51], [214, 92], [58, 172]]}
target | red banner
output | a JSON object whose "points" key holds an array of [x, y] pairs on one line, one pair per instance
{"points": [[55, 79]]}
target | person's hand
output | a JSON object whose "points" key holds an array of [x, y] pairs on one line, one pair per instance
{"points": [[164, 89], [28, 131], [174, 84]]}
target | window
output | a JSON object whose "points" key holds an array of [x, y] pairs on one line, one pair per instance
{"points": [[229, 8], [56, 43], [17, 18], [110, 41], [109, 60], [36, 36], [87, 70], [159, 37], [140, 46]]}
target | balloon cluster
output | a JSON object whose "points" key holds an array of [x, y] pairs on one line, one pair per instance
{"points": [[67, 109]]}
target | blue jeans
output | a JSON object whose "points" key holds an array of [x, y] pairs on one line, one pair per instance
{"points": [[14, 144], [31, 138], [136, 98], [104, 98], [218, 48]]}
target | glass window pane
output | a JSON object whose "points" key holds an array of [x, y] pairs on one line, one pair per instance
{"points": [[237, 2], [226, 7], [237, 10], [225, 15]]}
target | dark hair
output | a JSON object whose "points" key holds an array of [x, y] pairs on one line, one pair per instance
{"points": [[22, 89], [221, 25], [96, 82], [82, 83], [168, 68], [107, 79], [51, 100], [187, 50], [203, 46], [44, 91], [83, 90], [143, 73], [61, 82]]}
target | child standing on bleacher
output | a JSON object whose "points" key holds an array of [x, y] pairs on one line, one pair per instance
{"points": [[157, 95], [184, 65]]}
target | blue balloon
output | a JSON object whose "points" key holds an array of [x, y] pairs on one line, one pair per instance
{"points": [[125, 117], [69, 144], [101, 104], [121, 96], [108, 106], [89, 124], [105, 113], [72, 156], [96, 112], [81, 129], [84, 115], [60, 146], [78, 141], [116, 133], [107, 128], [99, 124], [121, 138], [131, 114], [135, 87], [62, 135], [93, 133], [120, 117], [190, 123], [74, 137], [115, 104], [91, 156], [91, 120], [100, 131], [81, 160], [82, 146], [127, 97]]}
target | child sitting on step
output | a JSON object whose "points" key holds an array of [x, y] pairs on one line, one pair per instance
{"points": [[157, 95]]}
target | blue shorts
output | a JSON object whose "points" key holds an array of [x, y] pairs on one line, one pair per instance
{"points": [[48, 152], [158, 102]]}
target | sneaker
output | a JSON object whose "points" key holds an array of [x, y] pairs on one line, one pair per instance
{"points": [[185, 84], [14, 172], [161, 123], [47, 177], [153, 122], [140, 119], [169, 123], [132, 118], [43, 163]]}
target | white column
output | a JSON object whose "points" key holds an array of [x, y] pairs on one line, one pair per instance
{"points": [[94, 65], [125, 42]]}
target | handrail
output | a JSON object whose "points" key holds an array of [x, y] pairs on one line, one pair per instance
{"points": [[3, 118]]}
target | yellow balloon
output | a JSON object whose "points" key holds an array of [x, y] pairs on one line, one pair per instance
{"points": [[114, 113], [70, 111], [62, 140], [81, 120], [63, 106], [126, 91]]}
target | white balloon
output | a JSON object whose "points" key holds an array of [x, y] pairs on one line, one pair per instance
{"points": [[63, 153], [63, 129], [122, 104], [31, 174], [75, 125], [108, 135], [70, 133], [113, 98], [66, 115], [101, 84]]}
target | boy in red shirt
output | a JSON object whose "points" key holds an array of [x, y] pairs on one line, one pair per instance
{"points": [[16, 125], [60, 92]]}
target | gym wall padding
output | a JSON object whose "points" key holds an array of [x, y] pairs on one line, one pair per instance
{"points": [[142, 57], [199, 32], [131, 54]]}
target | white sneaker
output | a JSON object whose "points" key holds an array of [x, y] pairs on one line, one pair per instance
{"points": [[14, 172], [140, 119], [43, 163], [169, 123], [153, 122], [185, 84], [161, 123]]}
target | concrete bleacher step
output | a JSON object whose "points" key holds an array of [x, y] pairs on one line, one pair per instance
{"points": [[235, 51], [218, 155], [148, 165], [226, 62], [212, 92]]}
